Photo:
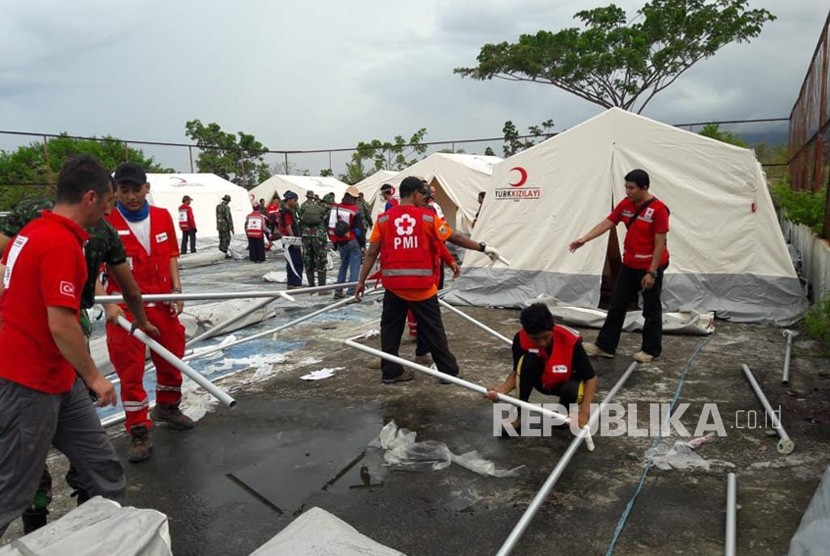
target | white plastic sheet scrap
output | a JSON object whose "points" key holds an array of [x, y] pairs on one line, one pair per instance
{"points": [[681, 455], [401, 450], [215, 354], [321, 374]]}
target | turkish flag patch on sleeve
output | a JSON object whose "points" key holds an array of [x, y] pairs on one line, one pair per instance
{"points": [[67, 288]]}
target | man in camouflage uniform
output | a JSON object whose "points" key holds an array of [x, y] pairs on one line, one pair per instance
{"points": [[313, 216], [224, 225], [104, 247], [365, 213]]}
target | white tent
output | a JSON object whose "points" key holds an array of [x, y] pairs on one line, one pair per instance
{"points": [[299, 185], [370, 187], [206, 190], [727, 253], [457, 178]]}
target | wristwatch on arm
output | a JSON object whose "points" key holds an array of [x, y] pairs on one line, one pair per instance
{"points": [[653, 274]]}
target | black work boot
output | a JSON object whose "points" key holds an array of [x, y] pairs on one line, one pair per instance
{"points": [[310, 275], [172, 415], [141, 446], [34, 519]]}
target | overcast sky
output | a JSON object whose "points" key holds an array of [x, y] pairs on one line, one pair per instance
{"points": [[329, 73]]}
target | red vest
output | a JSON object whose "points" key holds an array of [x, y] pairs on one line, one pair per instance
{"points": [[346, 213], [408, 255], [255, 225], [152, 272], [558, 365], [186, 221]]}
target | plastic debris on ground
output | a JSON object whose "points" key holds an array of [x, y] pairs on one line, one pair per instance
{"points": [[321, 374], [681, 454], [813, 534], [402, 451]]}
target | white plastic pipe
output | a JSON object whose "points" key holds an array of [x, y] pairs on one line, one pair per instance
{"points": [[212, 389], [160, 297], [731, 514], [785, 377], [543, 493], [785, 444], [475, 322], [236, 318], [558, 417]]}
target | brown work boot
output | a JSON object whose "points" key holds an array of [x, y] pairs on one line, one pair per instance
{"points": [[141, 446], [172, 415]]}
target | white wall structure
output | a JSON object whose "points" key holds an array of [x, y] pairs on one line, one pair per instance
{"points": [[727, 252], [206, 190]]}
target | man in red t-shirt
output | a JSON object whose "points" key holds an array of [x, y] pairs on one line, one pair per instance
{"points": [[187, 224], [43, 400], [645, 259]]}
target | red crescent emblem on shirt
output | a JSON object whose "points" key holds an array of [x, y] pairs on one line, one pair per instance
{"points": [[522, 176]]}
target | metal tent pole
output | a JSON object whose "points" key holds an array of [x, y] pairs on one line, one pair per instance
{"points": [[475, 322], [157, 298], [785, 444], [731, 510], [785, 377], [212, 389], [543, 493]]}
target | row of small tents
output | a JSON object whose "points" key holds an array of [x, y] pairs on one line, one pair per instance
{"points": [[727, 251]]}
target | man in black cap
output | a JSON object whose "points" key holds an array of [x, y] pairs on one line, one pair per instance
{"points": [[224, 225]]}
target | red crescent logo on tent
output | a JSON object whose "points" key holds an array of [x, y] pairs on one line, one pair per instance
{"points": [[523, 176]]}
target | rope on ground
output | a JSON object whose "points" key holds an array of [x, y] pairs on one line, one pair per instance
{"points": [[650, 462]]}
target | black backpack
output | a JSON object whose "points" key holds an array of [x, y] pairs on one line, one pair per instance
{"points": [[341, 227]]}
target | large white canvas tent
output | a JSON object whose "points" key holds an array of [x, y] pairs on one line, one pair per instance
{"points": [[206, 190], [727, 251], [299, 185], [370, 187], [457, 178]]}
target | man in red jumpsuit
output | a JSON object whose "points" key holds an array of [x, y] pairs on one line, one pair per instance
{"points": [[150, 242]]}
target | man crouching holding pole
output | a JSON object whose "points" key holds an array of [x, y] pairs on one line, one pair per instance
{"points": [[550, 358]]}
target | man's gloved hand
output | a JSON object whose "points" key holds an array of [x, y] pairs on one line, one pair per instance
{"points": [[492, 253]]}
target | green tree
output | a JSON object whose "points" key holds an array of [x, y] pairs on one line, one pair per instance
{"points": [[31, 170], [392, 155], [326, 172], [514, 143], [617, 61], [355, 172], [237, 159], [713, 131]]}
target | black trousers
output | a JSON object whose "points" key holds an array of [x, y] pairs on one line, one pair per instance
{"points": [[627, 288], [530, 371], [430, 329], [256, 249], [188, 234]]}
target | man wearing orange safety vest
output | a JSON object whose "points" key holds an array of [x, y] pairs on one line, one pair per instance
{"points": [[406, 237], [550, 358], [152, 253]]}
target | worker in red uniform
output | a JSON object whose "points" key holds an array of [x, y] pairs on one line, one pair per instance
{"points": [[255, 230], [549, 358], [150, 242], [187, 224], [645, 259], [45, 368], [406, 236], [387, 192]]}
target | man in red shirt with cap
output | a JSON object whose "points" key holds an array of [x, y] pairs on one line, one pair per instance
{"points": [[187, 224]]}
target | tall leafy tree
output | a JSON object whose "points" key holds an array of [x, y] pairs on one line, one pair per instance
{"points": [[31, 170], [392, 155], [616, 61], [237, 159], [514, 143]]}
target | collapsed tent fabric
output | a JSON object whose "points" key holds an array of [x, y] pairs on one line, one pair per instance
{"points": [[99, 526], [457, 178], [319, 532], [206, 190], [727, 251], [321, 185]]}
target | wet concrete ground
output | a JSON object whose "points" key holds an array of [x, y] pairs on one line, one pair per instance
{"points": [[243, 475]]}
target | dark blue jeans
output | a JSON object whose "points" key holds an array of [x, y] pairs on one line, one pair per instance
{"points": [[350, 259], [296, 254]]}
